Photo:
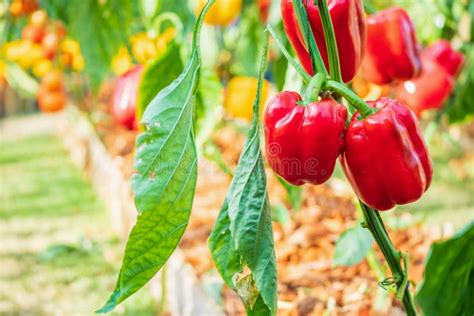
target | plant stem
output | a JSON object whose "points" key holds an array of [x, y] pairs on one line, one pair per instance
{"points": [[171, 17], [375, 225], [286, 53], [341, 89], [261, 74], [302, 17], [198, 26], [314, 87], [372, 218], [331, 43]]}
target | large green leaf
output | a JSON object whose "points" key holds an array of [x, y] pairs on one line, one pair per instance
{"points": [[352, 246], [165, 182], [448, 285], [157, 75], [241, 241], [164, 186], [242, 235]]}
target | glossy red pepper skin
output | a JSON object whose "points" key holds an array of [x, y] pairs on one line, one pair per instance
{"points": [[349, 22], [125, 98], [393, 52], [442, 52], [385, 157], [429, 91], [302, 143]]}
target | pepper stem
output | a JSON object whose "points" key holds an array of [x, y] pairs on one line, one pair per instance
{"points": [[314, 87], [375, 224], [341, 89], [373, 220], [286, 53], [314, 53], [330, 37], [198, 26]]}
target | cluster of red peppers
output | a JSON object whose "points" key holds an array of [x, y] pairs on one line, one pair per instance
{"points": [[348, 18], [381, 148], [423, 79]]}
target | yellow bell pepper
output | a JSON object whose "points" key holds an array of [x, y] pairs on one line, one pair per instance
{"points": [[240, 96], [222, 13]]}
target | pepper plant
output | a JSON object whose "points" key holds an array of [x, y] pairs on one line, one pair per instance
{"points": [[241, 242]]}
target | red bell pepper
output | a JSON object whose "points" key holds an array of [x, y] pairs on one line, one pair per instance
{"points": [[393, 52], [429, 91], [348, 18], [442, 52], [303, 142], [125, 98], [385, 157]]}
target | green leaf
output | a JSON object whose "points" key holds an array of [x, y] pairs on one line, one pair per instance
{"points": [[157, 75], [242, 235], [241, 241], [352, 246], [164, 186], [448, 287], [165, 182]]}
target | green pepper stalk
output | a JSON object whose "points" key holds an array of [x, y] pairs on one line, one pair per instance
{"points": [[302, 17], [330, 37], [373, 220]]}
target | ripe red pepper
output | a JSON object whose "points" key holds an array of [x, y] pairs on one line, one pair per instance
{"points": [[303, 142], [393, 52], [429, 91], [385, 157], [348, 18], [442, 52], [125, 98]]}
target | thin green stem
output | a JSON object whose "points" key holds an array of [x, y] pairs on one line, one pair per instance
{"points": [[331, 43], [314, 87], [341, 89], [373, 220], [286, 53], [261, 74], [302, 17], [168, 16], [198, 26], [375, 225]]}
